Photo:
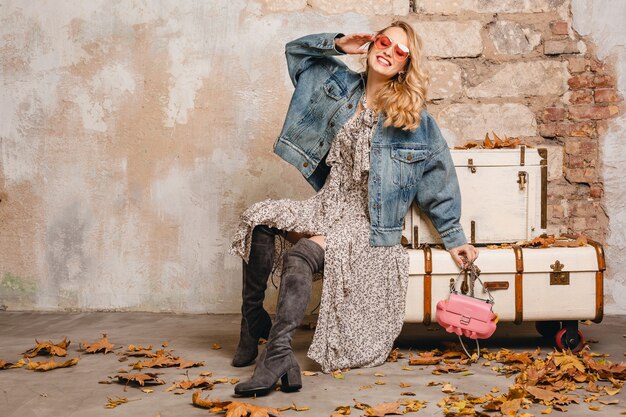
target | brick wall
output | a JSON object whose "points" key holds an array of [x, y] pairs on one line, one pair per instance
{"points": [[521, 70]]}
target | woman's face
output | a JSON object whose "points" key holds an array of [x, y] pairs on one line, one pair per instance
{"points": [[385, 61]]}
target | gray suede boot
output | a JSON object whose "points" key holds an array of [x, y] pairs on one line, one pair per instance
{"points": [[277, 360], [255, 322]]}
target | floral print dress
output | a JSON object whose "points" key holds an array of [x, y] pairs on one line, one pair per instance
{"points": [[364, 287]]}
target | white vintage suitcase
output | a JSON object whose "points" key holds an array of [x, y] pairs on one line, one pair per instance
{"points": [[503, 197], [548, 285]]}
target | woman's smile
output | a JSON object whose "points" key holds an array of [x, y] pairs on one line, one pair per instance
{"points": [[385, 62]]}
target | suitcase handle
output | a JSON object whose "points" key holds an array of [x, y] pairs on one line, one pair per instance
{"points": [[496, 285]]}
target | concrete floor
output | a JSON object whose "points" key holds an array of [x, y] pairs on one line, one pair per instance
{"points": [[75, 391]]}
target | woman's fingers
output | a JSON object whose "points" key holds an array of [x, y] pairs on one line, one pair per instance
{"points": [[354, 42], [456, 258]]}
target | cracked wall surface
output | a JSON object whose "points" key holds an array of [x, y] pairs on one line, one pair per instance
{"points": [[134, 133]]}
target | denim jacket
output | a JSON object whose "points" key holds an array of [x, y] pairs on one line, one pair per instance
{"points": [[404, 165]]}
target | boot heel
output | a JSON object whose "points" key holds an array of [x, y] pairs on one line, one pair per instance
{"points": [[291, 380]]}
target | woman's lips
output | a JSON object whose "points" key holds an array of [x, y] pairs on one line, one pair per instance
{"points": [[383, 61]]}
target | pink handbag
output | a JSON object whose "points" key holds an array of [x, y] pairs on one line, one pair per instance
{"points": [[465, 314]]}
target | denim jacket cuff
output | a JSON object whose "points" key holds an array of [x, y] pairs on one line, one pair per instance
{"points": [[335, 37], [453, 237]]}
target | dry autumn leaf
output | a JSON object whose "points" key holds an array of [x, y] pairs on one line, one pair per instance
{"points": [[448, 388], [425, 358], [9, 365], [309, 373], [101, 345], [49, 348], [413, 405], [188, 384], [394, 355], [114, 402], [233, 408], [342, 410], [338, 374], [384, 409], [141, 379], [164, 359], [51, 364], [294, 407]]}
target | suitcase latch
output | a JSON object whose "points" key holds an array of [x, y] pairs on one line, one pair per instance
{"points": [[558, 276], [522, 176], [470, 165]]}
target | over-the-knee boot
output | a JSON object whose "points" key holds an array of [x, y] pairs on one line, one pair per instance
{"points": [[277, 360], [255, 322]]}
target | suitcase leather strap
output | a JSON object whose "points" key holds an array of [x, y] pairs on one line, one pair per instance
{"points": [[428, 284], [519, 296], [599, 277]]}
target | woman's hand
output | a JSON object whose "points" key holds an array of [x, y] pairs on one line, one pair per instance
{"points": [[351, 44], [466, 251]]}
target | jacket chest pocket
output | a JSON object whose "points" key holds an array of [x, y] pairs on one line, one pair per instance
{"points": [[407, 166]]}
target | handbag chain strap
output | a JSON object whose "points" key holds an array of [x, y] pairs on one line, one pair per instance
{"points": [[474, 275]]}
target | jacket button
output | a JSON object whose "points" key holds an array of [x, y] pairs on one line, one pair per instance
{"points": [[306, 164], [321, 143], [350, 105], [409, 157], [332, 124]]}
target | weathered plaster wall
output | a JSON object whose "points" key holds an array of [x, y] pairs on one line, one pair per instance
{"points": [[133, 133]]}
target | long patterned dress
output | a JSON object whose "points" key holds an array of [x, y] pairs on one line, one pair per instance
{"points": [[364, 287]]}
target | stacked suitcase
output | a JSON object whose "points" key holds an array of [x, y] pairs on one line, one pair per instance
{"points": [[504, 193]]}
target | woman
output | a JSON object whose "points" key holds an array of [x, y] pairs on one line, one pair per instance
{"points": [[365, 142]]}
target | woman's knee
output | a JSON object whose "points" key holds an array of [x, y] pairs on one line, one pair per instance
{"points": [[305, 252], [320, 240]]}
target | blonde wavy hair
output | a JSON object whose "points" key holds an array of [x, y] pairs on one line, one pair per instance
{"points": [[402, 102]]}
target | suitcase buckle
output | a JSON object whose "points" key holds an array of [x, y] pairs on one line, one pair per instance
{"points": [[558, 276]]}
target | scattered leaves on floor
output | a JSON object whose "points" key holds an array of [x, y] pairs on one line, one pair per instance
{"points": [[101, 345], [48, 348], [309, 373], [51, 364]]}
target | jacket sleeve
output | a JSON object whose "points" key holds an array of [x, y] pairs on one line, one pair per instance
{"points": [[308, 50], [438, 194]]}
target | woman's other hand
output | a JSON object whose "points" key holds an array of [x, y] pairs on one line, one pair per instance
{"points": [[466, 251], [351, 44]]}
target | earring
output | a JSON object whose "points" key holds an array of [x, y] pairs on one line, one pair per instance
{"points": [[401, 76]]}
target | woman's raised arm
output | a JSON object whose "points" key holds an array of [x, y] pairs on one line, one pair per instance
{"points": [[307, 50]]}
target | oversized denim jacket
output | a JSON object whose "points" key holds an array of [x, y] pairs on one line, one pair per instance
{"points": [[404, 165]]}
